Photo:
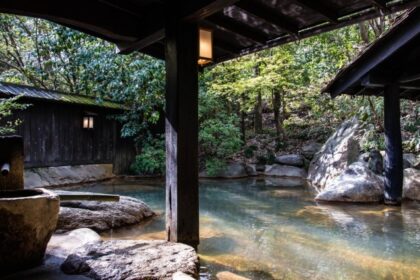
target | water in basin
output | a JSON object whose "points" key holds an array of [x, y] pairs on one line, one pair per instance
{"points": [[261, 230]]}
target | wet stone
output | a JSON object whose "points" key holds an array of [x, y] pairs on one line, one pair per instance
{"points": [[128, 259], [101, 216]]}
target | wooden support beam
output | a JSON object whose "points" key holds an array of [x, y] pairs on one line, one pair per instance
{"points": [[193, 12], [243, 30], [182, 217], [393, 146], [319, 8], [269, 15]]}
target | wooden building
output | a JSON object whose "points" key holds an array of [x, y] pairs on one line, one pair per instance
{"points": [[388, 68], [170, 30], [62, 129]]}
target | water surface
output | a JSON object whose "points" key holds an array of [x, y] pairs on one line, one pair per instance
{"points": [[261, 230]]}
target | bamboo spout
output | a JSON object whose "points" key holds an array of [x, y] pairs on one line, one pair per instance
{"points": [[5, 169]]}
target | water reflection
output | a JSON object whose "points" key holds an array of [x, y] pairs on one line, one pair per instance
{"points": [[261, 230]]}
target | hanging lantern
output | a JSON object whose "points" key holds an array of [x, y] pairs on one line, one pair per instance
{"points": [[206, 46], [88, 122]]}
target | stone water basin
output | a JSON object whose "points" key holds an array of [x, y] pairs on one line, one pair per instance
{"points": [[28, 218]]}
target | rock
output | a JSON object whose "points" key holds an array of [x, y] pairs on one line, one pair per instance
{"points": [[101, 216], [411, 187], [340, 150], [66, 175], [284, 171], [376, 162], [364, 158], [356, 184], [181, 276], [62, 245], [260, 167], [409, 160], [27, 220], [310, 149], [288, 182], [293, 160], [251, 170], [132, 259], [232, 170], [227, 275]]}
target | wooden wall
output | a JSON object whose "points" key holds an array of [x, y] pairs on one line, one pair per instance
{"points": [[53, 136]]}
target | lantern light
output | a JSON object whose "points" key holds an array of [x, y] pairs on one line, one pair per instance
{"points": [[206, 46], [88, 122]]}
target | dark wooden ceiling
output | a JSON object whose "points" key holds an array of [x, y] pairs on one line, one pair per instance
{"points": [[240, 27], [393, 58]]}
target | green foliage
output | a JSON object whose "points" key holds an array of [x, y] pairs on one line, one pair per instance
{"points": [[151, 160], [214, 166], [372, 140], [289, 78], [7, 108], [219, 135], [46, 55]]}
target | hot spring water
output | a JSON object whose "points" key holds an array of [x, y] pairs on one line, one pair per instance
{"points": [[261, 230]]}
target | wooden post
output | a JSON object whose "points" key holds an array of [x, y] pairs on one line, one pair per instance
{"points": [[393, 146], [181, 53]]}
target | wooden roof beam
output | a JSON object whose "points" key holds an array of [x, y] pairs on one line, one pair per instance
{"points": [[68, 14], [381, 4], [123, 8], [376, 81], [269, 15], [198, 10], [319, 8], [239, 28], [410, 78]]}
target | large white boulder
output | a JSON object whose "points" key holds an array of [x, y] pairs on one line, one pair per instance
{"points": [[340, 150], [356, 184], [411, 189]]}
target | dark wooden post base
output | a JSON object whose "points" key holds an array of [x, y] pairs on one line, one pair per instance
{"points": [[182, 217], [393, 146]]}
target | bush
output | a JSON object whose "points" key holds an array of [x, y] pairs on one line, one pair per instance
{"points": [[151, 160], [218, 139], [214, 166]]}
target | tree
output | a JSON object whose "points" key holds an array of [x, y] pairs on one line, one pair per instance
{"points": [[46, 55], [8, 106]]}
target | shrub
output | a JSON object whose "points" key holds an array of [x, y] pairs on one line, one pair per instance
{"points": [[214, 166], [151, 160], [218, 139]]}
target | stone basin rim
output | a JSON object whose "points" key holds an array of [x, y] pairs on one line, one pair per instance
{"points": [[26, 194]]}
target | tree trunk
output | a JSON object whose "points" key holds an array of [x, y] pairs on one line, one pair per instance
{"points": [[277, 118], [258, 121], [364, 32], [243, 118]]}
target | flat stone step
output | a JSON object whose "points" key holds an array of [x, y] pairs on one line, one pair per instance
{"points": [[132, 259]]}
